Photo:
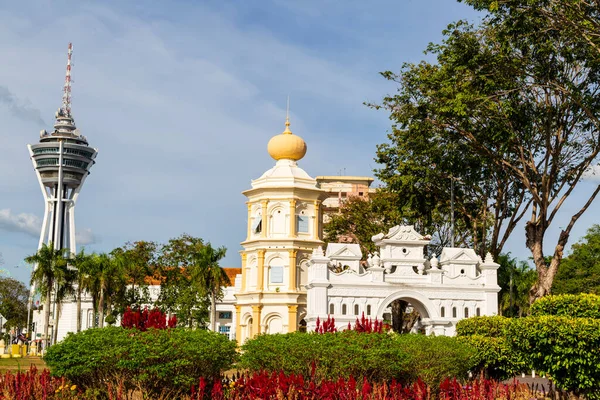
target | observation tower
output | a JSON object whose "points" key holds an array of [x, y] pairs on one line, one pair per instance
{"points": [[62, 160]]}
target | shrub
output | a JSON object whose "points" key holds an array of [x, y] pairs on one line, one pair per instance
{"points": [[495, 357], [155, 361], [435, 358], [326, 356], [565, 348], [483, 326], [568, 305]]}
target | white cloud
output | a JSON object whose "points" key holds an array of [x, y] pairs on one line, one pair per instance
{"points": [[26, 223], [85, 237]]}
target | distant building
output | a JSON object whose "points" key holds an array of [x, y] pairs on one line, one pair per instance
{"points": [[340, 188]]}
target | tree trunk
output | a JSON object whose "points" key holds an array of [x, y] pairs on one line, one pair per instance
{"points": [[78, 308], [101, 308], [56, 319], [47, 315], [398, 310], [213, 311]]}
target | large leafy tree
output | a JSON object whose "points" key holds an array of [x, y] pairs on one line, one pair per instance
{"points": [[13, 302], [50, 265], [138, 261], [522, 94], [580, 271]]}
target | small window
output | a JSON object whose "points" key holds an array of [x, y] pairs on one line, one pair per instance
{"points": [[356, 309], [331, 309], [302, 223], [360, 193], [443, 312], [369, 310], [257, 226], [224, 330], [466, 312], [344, 309], [478, 312], [225, 315], [453, 312], [277, 274]]}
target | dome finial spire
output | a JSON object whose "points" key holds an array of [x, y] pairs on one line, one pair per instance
{"points": [[287, 118]]}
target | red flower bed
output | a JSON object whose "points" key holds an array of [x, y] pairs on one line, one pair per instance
{"points": [[31, 385]]}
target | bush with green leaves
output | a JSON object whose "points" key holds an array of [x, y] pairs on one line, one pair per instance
{"points": [[435, 358], [568, 349], [157, 362], [491, 326], [569, 305]]}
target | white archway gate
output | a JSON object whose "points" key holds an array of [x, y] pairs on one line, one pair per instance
{"points": [[458, 285]]}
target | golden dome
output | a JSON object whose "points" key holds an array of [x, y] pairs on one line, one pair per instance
{"points": [[286, 145]]}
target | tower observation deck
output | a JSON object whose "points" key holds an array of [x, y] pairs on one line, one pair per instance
{"points": [[62, 160]]}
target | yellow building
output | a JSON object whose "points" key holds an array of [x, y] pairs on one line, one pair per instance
{"points": [[284, 226]]}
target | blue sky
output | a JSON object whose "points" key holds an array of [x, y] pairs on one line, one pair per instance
{"points": [[181, 98]]}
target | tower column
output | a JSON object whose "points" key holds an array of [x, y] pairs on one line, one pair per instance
{"points": [[292, 218], [261, 270], [238, 333], [244, 276], [292, 270], [265, 221], [249, 221], [292, 318], [317, 209], [256, 319]]}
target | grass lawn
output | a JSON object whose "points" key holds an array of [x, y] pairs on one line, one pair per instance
{"points": [[15, 364]]}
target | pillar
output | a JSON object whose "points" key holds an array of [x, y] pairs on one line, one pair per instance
{"points": [[249, 220], [292, 218], [316, 213], [292, 270], [256, 320], [238, 332], [265, 223], [244, 276], [292, 318], [261, 270]]}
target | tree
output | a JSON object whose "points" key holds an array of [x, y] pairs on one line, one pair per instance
{"points": [[515, 279], [83, 264], [49, 265], [65, 279], [13, 303], [139, 261], [580, 271], [210, 276], [522, 94]]}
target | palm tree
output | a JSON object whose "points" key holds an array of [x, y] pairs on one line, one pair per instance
{"points": [[82, 262], [210, 276], [49, 265], [65, 279], [515, 279]]}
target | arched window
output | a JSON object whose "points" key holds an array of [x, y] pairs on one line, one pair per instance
{"points": [[344, 309], [331, 309], [453, 312], [466, 312], [478, 312], [369, 309], [443, 312], [302, 222], [356, 309]]}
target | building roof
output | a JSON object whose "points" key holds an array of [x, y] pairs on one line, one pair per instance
{"points": [[231, 273]]}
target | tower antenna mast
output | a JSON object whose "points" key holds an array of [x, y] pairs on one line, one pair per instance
{"points": [[66, 99]]}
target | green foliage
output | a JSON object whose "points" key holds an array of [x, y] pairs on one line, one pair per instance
{"points": [[568, 305], [157, 362], [565, 348], [334, 355], [495, 357], [378, 357], [491, 326], [580, 271], [435, 358], [13, 302], [515, 280]]}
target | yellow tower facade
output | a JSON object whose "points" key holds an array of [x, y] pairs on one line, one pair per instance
{"points": [[283, 228]]}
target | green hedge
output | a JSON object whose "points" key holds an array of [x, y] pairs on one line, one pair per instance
{"points": [[568, 349], [155, 361], [378, 357], [568, 305], [483, 326], [495, 357]]}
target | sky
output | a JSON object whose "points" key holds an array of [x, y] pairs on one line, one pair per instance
{"points": [[181, 97]]}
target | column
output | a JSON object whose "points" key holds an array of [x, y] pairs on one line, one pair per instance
{"points": [[265, 220], [292, 270], [292, 218], [261, 270], [292, 318], [238, 332], [317, 209], [244, 276], [256, 320], [249, 220]]}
